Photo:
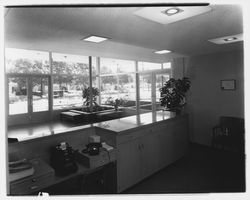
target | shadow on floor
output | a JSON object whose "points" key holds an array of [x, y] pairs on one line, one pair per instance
{"points": [[202, 170]]}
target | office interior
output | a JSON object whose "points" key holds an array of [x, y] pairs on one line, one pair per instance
{"points": [[54, 55]]}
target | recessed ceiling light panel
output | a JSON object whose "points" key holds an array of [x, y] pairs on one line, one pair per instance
{"points": [[162, 51], [230, 39], [166, 15], [95, 39], [227, 39], [172, 11]]}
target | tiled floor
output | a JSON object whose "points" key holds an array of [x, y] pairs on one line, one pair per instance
{"points": [[202, 170]]}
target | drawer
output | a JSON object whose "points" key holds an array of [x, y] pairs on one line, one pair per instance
{"points": [[42, 177], [30, 185]]}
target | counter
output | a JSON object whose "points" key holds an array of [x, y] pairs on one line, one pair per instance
{"points": [[127, 123], [145, 143]]}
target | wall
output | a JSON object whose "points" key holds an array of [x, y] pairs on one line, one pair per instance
{"points": [[206, 100]]}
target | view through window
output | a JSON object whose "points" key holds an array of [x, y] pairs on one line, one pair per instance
{"points": [[30, 76], [70, 76], [117, 81], [24, 63]]}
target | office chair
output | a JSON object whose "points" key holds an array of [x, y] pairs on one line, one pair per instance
{"points": [[229, 134]]}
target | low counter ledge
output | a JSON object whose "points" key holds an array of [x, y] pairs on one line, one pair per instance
{"points": [[128, 123]]}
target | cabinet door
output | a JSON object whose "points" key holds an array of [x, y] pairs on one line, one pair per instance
{"points": [[181, 138], [166, 148], [128, 164], [149, 154]]}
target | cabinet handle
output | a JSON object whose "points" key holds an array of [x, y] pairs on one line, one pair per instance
{"points": [[139, 147], [142, 146]]}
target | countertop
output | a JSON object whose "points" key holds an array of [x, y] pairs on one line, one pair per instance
{"points": [[124, 124], [117, 126]]}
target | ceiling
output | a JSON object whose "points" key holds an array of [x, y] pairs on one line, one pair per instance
{"points": [[61, 29]]}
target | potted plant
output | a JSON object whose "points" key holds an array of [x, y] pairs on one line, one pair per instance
{"points": [[173, 94], [116, 103], [86, 96]]}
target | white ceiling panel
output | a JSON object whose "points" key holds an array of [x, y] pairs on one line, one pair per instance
{"points": [[158, 14], [129, 35]]}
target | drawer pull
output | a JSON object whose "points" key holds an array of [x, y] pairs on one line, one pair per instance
{"points": [[34, 187]]}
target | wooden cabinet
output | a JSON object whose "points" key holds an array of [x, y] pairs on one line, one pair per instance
{"points": [[149, 154], [143, 152], [173, 141], [43, 174], [128, 164], [165, 149], [180, 139], [136, 159]]}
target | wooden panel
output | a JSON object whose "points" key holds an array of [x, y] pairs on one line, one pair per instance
{"points": [[181, 138], [43, 175], [37, 117], [128, 165], [134, 134], [143, 152], [18, 119], [165, 149], [150, 154]]}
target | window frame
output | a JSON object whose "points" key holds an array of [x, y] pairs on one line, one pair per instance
{"points": [[136, 73]]}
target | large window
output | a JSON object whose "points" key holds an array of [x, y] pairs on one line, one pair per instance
{"points": [[113, 66], [160, 80], [117, 81], [27, 68], [26, 61], [40, 94], [70, 76], [145, 81], [31, 80], [145, 66], [18, 97]]}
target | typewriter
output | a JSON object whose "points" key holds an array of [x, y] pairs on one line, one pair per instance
{"points": [[63, 159]]}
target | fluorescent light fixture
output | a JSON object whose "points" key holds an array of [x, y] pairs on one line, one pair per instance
{"points": [[164, 15], [230, 39], [162, 51], [227, 39], [95, 39], [172, 11]]}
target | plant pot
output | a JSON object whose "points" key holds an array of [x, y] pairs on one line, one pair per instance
{"points": [[177, 110]]}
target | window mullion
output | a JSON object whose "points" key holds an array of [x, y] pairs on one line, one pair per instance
{"points": [[51, 92], [137, 86], [153, 91], [90, 84], [98, 79]]}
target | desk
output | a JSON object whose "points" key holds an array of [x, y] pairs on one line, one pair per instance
{"points": [[45, 180]]}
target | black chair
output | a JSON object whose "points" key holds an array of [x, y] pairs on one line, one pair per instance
{"points": [[229, 134]]}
